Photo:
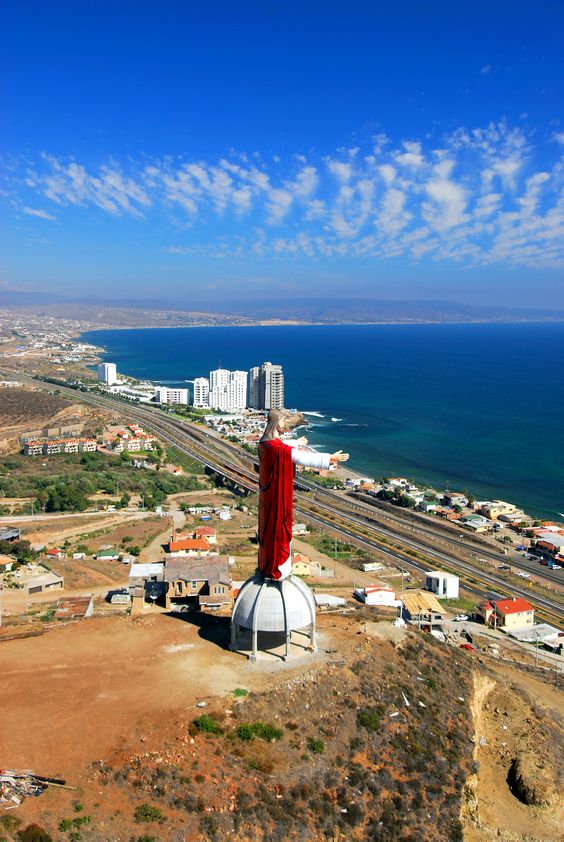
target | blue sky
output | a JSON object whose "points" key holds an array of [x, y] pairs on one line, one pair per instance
{"points": [[193, 150]]}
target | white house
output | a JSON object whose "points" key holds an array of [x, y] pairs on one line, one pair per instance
{"points": [[377, 595], [443, 585]]}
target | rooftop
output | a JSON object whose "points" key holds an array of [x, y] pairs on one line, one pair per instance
{"points": [[200, 544], [141, 570], [513, 606], [198, 569], [422, 602]]}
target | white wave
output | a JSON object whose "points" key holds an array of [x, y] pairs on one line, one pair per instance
{"points": [[336, 419], [317, 414], [355, 425]]}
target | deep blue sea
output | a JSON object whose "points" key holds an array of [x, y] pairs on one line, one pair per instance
{"points": [[476, 407]]}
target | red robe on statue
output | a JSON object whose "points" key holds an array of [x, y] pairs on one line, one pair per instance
{"points": [[276, 484]]}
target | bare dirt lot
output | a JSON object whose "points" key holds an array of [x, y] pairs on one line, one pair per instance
{"points": [[19, 407]]}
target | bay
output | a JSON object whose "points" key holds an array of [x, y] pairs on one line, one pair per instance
{"points": [[467, 406]]}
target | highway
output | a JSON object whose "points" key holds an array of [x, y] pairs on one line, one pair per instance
{"points": [[354, 521]]}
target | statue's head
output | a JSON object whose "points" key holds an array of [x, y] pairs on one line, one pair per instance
{"points": [[280, 421]]}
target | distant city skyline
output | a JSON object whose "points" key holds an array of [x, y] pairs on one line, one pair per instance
{"points": [[274, 151]]}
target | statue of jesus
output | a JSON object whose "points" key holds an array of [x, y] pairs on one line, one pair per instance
{"points": [[277, 461]]}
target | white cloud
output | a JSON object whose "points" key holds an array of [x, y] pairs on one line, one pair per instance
{"points": [[447, 206], [478, 195], [41, 214], [392, 216], [411, 157]]}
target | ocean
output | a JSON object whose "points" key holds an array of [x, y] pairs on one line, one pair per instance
{"points": [[467, 406]]}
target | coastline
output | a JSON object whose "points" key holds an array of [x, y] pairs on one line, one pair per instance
{"points": [[420, 474]]}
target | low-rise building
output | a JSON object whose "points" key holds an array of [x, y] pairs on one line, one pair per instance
{"points": [[443, 585], [88, 445], [33, 448], [44, 582], [51, 447], [494, 508], [299, 529], [108, 555], [423, 609], [6, 563], [206, 581], [515, 613], [140, 574], [477, 523], [551, 543], [55, 552], [370, 566], [301, 565], [208, 533], [9, 533], [378, 596]]}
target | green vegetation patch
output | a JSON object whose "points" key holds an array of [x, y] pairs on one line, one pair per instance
{"points": [[315, 745], [68, 480], [371, 718], [263, 730], [145, 813], [239, 692], [207, 724]]}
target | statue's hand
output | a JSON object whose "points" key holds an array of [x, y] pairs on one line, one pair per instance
{"points": [[301, 442], [339, 456]]}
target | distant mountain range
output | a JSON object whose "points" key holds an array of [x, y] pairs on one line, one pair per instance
{"points": [[313, 310]]}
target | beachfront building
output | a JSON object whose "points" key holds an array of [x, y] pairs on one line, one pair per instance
{"points": [[165, 395], [107, 373], [202, 392], [492, 509], [266, 387], [228, 390]]}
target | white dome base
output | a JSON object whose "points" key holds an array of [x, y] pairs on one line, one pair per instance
{"points": [[274, 609]]}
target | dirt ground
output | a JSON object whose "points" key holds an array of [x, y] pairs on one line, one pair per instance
{"points": [[74, 696], [508, 724]]}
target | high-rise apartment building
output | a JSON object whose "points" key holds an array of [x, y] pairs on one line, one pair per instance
{"points": [[107, 373], [266, 387], [201, 392], [228, 390], [254, 387], [165, 395]]}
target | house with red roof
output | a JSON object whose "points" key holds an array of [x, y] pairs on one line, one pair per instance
{"points": [[515, 613], [207, 532]]}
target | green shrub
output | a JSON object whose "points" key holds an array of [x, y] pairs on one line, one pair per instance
{"points": [[262, 730], [371, 718], [239, 692], [148, 813], [316, 746], [206, 724]]}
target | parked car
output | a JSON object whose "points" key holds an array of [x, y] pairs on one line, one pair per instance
{"points": [[523, 575], [504, 567], [460, 618]]}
